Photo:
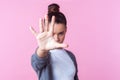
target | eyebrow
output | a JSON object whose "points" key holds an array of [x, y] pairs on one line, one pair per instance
{"points": [[61, 32]]}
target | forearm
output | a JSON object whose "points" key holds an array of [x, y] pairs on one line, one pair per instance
{"points": [[38, 63]]}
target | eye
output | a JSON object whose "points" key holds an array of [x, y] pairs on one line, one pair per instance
{"points": [[61, 33]]}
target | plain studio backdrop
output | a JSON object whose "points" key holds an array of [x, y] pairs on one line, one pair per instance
{"points": [[93, 36]]}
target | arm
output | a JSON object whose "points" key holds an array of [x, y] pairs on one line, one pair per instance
{"points": [[76, 74], [75, 63], [46, 42], [38, 62]]}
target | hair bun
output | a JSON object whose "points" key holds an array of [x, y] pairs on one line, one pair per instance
{"points": [[53, 8]]}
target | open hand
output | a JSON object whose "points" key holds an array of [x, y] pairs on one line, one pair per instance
{"points": [[45, 37]]}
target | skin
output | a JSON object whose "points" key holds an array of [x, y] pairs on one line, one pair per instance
{"points": [[59, 32], [50, 36]]}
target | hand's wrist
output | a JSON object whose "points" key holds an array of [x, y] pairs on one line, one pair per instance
{"points": [[41, 52]]}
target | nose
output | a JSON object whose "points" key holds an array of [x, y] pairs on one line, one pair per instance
{"points": [[56, 38]]}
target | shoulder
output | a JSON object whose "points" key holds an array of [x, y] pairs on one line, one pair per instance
{"points": [[71, 54]]}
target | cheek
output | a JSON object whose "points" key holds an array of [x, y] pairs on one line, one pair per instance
{"points": [[61, 37]]}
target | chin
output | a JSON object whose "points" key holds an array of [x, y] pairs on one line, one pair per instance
{"points": [[60, 42], [59, 48]]}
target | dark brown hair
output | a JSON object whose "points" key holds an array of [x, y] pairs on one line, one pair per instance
{"points": [[53, 10]]}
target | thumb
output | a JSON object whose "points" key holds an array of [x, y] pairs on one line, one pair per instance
{"points": [[33, 31], [61, 45]]}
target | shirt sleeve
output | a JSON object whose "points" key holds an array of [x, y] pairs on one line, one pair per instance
{"points": [[38, 63]]}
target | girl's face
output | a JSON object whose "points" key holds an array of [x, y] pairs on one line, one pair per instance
{"points": [[59, 32]]}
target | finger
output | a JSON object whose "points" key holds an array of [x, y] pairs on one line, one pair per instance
{"points": [[58, 45], [41, 25], [52, 24], [33, 31], [46, 22]]}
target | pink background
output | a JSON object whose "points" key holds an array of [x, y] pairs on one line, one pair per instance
{"points": [[93, 36]]}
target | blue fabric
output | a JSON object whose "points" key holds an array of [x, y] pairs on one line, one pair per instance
{"points": [[43, 68]]}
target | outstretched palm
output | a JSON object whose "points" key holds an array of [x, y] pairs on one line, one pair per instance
{"points": [[45, 36]]}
